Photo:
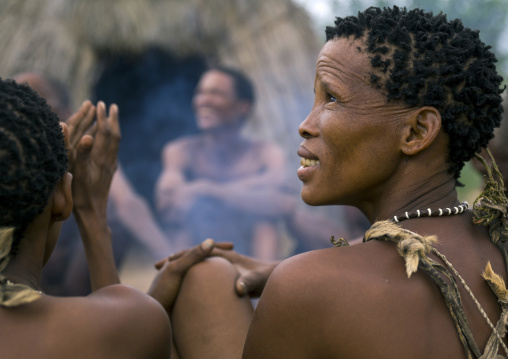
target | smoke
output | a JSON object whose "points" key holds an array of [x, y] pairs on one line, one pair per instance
{"points": [[154, 93]]}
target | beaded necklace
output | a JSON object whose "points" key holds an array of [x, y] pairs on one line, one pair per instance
{"points": [[430, 213]]}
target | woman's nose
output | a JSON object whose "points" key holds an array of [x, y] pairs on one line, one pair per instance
{"points": [[308, 128]]}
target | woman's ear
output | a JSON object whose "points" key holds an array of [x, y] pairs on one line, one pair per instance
{"points": [[420, 130], [62, 199]]}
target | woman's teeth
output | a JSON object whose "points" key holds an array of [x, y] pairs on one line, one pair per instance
{"points": [[305, 162]]}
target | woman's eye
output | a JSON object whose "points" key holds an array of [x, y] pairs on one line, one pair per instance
{"points": [[331, 98]]}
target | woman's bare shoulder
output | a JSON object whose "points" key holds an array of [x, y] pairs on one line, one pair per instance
{"points": [[306, 297], [326, 299]]}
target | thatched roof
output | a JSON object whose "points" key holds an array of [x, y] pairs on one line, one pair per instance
{"points": [[271, 40]]}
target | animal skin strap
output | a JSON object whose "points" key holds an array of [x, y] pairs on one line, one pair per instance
{"points": [[490, 209], [415, 248], [12, 294]]}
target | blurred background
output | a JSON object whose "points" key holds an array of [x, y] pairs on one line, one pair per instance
{"points": [[147, 56]]}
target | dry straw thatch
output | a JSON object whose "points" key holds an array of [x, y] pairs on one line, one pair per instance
{"points": [[271, 40]]}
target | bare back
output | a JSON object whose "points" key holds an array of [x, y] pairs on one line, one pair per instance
{"points": [[357, 302], [87, 327]]}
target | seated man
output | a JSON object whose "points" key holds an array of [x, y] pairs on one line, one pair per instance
{"points": [[218, 183]]}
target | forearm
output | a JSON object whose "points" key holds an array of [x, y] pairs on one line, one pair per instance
{"points": [[267, 178], [264, 201], [265, 241], [138, 218], [96, 237], [174, 202]]}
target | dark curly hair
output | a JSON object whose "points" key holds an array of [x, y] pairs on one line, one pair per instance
{"points": [[33, 156], [425, 60]]}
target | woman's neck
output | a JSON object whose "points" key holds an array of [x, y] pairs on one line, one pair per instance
{"points": [[434, 192], [22, 271]]}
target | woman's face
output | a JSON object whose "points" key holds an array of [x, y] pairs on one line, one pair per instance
{"points": [[351, 131]]}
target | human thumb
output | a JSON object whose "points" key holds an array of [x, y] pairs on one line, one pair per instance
{"points": [[241, 287], [245, 284]]}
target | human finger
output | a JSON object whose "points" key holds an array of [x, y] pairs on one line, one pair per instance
{"points": [[193, 256], [82, 154], [226, 253], [246, 284], [107, 138], [92, 130], [65, 130], [113, 119], [175, 256], [70, 149], [80, 122], [81, 112]]}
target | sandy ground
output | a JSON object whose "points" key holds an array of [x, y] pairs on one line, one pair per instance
{"points": [[138, 270]]}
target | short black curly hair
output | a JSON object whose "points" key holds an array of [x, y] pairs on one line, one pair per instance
{"points": [[425, 60], [33, 156]]}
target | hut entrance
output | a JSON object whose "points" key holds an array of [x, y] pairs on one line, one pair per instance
{"points": [[154, 92]]}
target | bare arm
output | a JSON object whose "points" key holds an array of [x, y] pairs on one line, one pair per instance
{"points": [[94, 165], [135, 214], [259, 193], [172, 178]]}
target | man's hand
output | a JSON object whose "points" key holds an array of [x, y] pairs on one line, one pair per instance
{"points": [[176, 203]]}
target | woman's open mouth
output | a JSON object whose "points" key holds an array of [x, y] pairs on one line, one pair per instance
{"points": [[306, 162]]}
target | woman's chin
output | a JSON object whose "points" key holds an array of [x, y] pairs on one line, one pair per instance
{"points": [[310, 199]]}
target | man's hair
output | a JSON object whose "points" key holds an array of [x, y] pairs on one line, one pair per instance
{"points": [[423, 59], [33, 156], [244, 89], [52, 89]]}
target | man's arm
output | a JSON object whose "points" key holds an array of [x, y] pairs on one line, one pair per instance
{"points": [[135, 214], [260, 193], [174, 161], [264, 193]]}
